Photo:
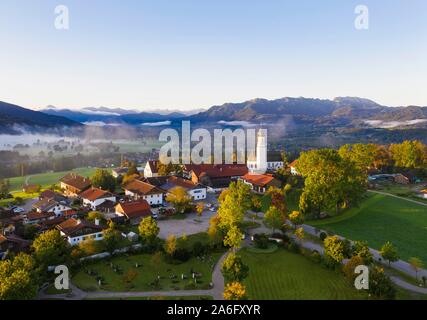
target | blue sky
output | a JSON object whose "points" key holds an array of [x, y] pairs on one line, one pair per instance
{"points": [[194, 54]]}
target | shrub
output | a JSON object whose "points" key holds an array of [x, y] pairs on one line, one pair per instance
{"points": [[293, 247], [322, 236], [199, 249], [181, 254], [261, 241], [315, 256]]}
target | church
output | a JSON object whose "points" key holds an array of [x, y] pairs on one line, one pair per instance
{"points": [[264, 160]]}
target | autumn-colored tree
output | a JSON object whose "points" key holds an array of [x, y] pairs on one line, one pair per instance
{"points": [[350, 266], [334, 249], [200, 207], [148, 229], [88, 247], [299, 233], [93, 215], [235, 291], [361, 249], [179, 198], [409, 154], [297, 218], [18, 279], [233, 237], [111, 239], [130, 275], [233, 268], [170, 245], [278, 199], [380, 285], [214, 232], [274, 218]]}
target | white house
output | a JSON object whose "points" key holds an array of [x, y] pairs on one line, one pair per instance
{"points": [[151, 169], [195, 190], [51, 206], [76, 230], [94, 197], [137, 189]]}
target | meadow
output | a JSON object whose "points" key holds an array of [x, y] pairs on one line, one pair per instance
{"points": [[381, 218], [293, 277]]}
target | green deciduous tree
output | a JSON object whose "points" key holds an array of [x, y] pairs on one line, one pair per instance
{"points": [[389, 252], [274, 218], [179, 198], [361, 249], [104, 180], [416, 265], [50, 248], [409, 154]]}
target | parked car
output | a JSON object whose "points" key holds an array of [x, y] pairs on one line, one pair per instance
{"points": [[18, 210]]}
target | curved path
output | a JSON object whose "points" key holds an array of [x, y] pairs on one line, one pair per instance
{"points": [[402, 198]]}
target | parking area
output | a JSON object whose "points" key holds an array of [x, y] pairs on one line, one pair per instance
{"points": [[191, 224]]}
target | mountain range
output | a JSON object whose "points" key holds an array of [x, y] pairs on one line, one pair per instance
{"points": [[292, 114]]}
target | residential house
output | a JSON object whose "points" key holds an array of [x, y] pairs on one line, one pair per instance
{"points": [[424, 193], [73, 184], [94, 197], [12, 244], [52, 195], [31, 188], [119, 172], [77, 230], [47, 205], [151, 168], [38, 217], [293, 168], [215, 177], [138, 189], [195, 190], [134, 211], [260, 183]]}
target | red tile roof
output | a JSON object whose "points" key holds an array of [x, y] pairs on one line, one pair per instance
{"points": [[258, 179], [73, 226], [93, 194], [134, 209], [218, 170], [293, 163], [142, 188], [76, 181]]}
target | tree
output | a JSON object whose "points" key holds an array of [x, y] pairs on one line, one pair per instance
{"points": [[363, 155], [179, 198], [350, 266], [274, 218], [93, 215], [171, 245], [132, 170], [299, 233], [233, 268], [380, 284], [50, 248], [214, 232], [334, 249], [148, 229], [278, 199], [233, 237], [416, 264], [409, 154], [361, 249], [4, 188], [331, 182], [130, 275], [256, 203], [104, 180], [88, 247], [112, 239], [296, 218], [199, 208], [234, 291], [389, 253], [18, 280]]}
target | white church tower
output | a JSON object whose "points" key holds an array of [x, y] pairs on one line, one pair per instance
{"points": [[259, 164]]}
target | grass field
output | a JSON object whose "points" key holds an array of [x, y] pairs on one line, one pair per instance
{"points": [[288, 276], [383, 218], [147, 272], [46, 179]]}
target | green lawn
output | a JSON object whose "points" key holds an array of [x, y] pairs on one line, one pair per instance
{"points": [[383, 218], [288, 276], [147, 272], [46, 179]]}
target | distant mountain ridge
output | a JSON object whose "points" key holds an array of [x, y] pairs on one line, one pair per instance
{"points": [[12, 115]]}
